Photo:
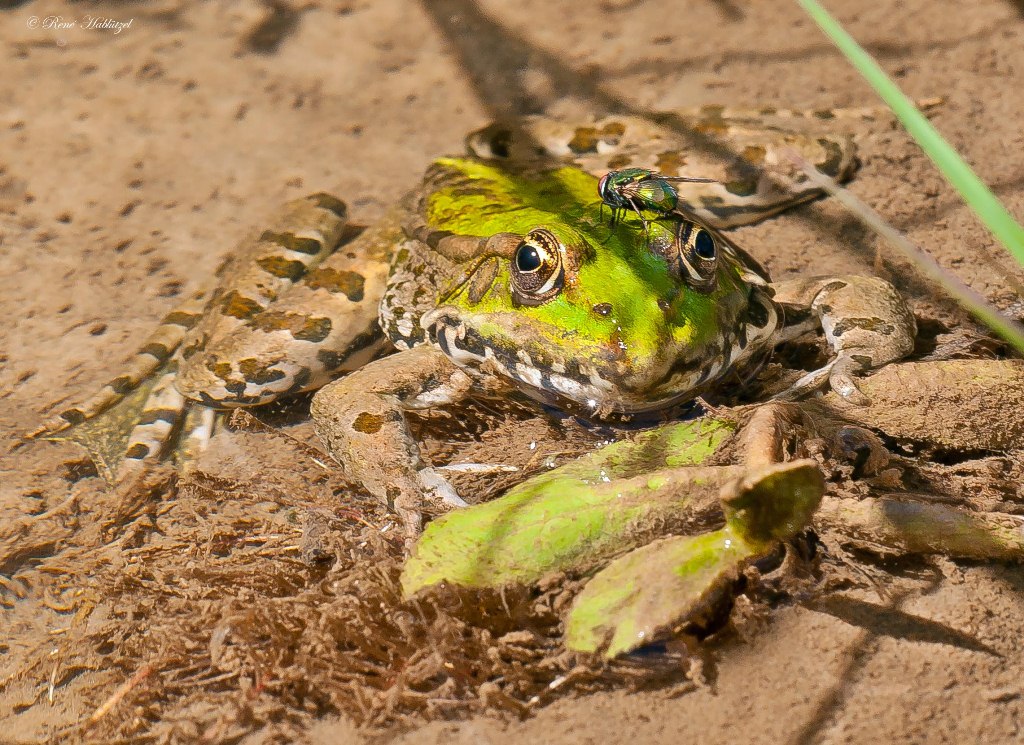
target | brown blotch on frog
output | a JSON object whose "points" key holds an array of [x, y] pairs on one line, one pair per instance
{"points": [[292, 242], [237, 305], [299, 325], [368, 424], [278, 266], [258, 372], [338, 281]]}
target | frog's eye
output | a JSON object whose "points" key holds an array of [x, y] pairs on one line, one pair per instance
{"points": [[698, 254], [537, 271]]}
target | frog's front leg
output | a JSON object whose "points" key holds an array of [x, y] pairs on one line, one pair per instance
{"points": [[361, 420], [866, 323]]}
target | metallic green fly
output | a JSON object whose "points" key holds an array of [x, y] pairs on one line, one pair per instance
{"points": [[639, 189]]}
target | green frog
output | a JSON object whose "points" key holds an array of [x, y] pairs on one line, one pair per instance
{"points": [[501, 274]]}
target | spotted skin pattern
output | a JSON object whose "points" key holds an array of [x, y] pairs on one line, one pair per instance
{"points": [[291, 313], [628, 319]]}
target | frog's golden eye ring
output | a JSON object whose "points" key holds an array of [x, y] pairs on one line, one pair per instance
{"points": [[698, 251], [537, 271]]}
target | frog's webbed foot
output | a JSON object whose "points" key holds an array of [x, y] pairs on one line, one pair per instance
{"points": [[156, 426], [135, 418], [439, 490], [361, 420], [149, 425], [149, 361], [866, 323]]}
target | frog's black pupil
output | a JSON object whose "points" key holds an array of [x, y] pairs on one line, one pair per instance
{"points": [[704, 245], [527, 258]]}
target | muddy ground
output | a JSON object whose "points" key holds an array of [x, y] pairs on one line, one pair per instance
{"points": [[130, 162]]}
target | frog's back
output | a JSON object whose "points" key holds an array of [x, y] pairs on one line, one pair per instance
{"points": [[743, 154]]}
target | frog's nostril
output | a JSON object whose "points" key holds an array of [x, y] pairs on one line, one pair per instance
{"points": [[603, 309]]}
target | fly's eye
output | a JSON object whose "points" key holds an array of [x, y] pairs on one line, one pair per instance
{"points": [[704, 245], [537, 271]]}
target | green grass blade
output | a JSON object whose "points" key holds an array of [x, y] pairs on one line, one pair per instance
{"points": [[984, 203]]}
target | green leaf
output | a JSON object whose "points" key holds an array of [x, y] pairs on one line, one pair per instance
{"points": [[618, 497], [670, 583], [642, 594]]}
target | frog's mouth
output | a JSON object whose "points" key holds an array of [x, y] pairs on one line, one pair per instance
{"points": [[572, 385]]}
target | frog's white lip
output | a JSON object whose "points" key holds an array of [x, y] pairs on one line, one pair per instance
{"points": [[464, 346], [588, 390]]}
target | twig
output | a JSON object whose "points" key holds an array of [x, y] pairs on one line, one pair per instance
{"points": [[141, 674]]}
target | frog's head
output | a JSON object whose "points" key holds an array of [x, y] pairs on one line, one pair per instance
{"points": [[621, 319]]}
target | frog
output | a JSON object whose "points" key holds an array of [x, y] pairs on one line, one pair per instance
{"points": [[501, 274]]}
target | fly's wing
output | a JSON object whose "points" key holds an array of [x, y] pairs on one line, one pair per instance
{"points": [[652, 193], [657, 191], [685, 179]]}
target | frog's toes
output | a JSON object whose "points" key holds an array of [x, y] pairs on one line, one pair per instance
{"points": [[809, 383], [438, 491], [837, 374], [143, 366], [425, 492], [866, 323], [842, 381], [156, 424]]}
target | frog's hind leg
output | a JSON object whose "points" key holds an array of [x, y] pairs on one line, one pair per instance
{"points": [[170, 426], [776, 116], [324, 321], [737, 170], [292, 310], [199, 425]]}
